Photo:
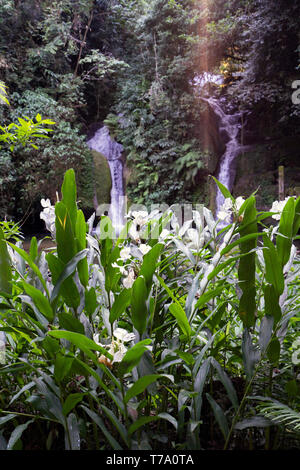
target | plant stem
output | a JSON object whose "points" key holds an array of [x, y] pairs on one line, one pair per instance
{"points": [[234, 421]]}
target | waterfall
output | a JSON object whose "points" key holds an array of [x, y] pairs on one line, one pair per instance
{"points": [[103, 143], [229, 126]]}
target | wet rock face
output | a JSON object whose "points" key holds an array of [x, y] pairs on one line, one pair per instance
{"points": [[213, 140], [102, 143]]}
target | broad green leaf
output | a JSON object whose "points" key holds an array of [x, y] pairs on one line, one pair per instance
{"points": [[191, 295], [17, 433], [207, 296], [68, 288], [201, 376], [227, 383], [181, 318], [285, 232], [247, 306], [71, 401], [169, 418], [274, 274], [79, 340], [62, 366], [188, 358], [65, 233], [223, 189], [141, 384], [91, 302], [116, 423], [5, 419], [69, 195], [72, 435], [139, 310], [185, 250], [246, 269], [112, 396], [272, 307], [141, 422], [31, 264], [80, 232], [250, 354], [5, 266], [245, 238], [265, 332], [120, 304], [96, 418], [23, 389], [221, 266], [296, 224], [149, 264], [133, 357], [33, 251], [40, 300], [219, 415], [67, 321], [253, 422], [68, 270], [273, 351], [51, 346]]}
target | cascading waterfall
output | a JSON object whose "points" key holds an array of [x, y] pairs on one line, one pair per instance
{"points": [[112, 150], [229, 125]]}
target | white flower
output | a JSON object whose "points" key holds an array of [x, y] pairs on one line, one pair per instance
{"points": [[116, 348], [129, 280], [225, 212], [239, 202], [46, 203], [125, 253], [140, 218], [122, 269], [278, 206], [228, 207], [48, 215], [144, 248], [123, 335], [227, 204], [164, 234], [296, 353], [119, 353], [224, 216], [196, 237], [296, 357]]}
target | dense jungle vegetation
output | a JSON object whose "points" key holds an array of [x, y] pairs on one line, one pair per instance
{"points": [[172, 336], [131, 64]]}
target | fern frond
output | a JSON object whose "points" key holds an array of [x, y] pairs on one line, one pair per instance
{"points": [[280, 414]]}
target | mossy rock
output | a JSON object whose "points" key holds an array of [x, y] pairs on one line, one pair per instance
{"points": [[102, 178], [256, 171], [211, 139]]}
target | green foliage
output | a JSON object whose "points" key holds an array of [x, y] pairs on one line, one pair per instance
{"points": [[27, 131], [53, 65], [94, 359]]}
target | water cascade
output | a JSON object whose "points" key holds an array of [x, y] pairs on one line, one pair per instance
{"points": [[103, 143], [229, 127]]}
